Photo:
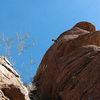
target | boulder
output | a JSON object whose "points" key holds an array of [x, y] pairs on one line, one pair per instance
{"points": [[11, 86], [70, 69], [86, 26]]}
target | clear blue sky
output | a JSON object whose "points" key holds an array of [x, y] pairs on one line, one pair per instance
{"points": [[45, 20]]}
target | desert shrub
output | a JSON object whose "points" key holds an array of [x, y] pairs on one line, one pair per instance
{"points": [[14, 48]]}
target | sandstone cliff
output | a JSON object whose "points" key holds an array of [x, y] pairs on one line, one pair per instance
{"points": [[11, 86], [70, 69]]}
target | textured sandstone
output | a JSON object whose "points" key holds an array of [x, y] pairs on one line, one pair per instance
{"points": [[2, 96], [11, 86], [86, 26], [70, 69]]}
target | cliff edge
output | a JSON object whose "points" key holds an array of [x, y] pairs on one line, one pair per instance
{"points": [[70, 69]]}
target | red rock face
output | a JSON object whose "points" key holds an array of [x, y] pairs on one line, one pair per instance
{"points": [[86, 26], [70, 69]]}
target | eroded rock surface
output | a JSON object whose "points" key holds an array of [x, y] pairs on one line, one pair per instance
{"points": [[11, 86], [70, 69]]}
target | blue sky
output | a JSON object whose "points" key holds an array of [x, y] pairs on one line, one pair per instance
{"points": [[44, 20]]}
